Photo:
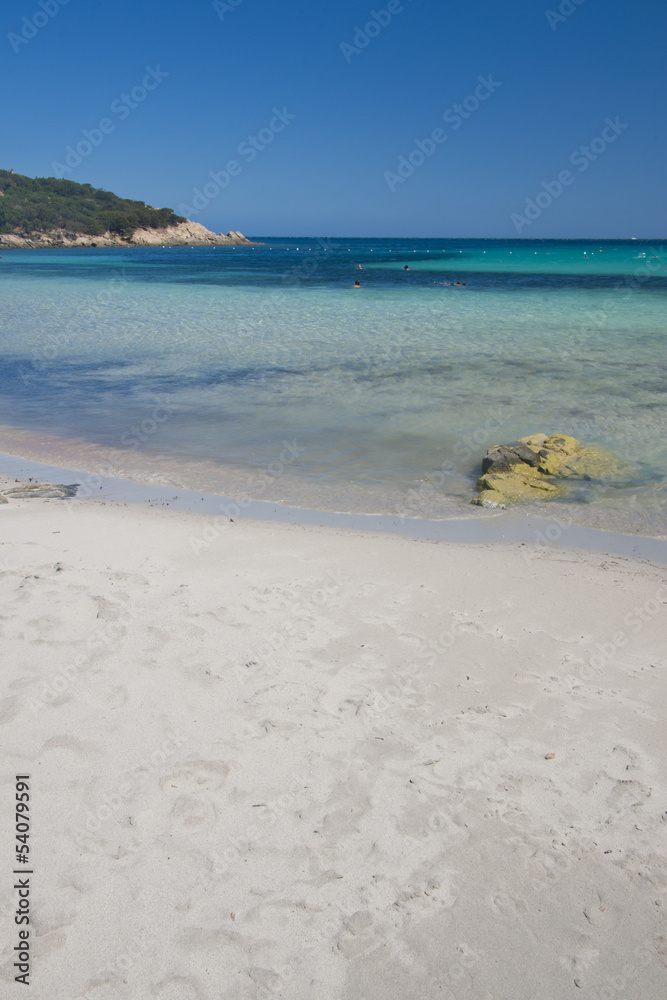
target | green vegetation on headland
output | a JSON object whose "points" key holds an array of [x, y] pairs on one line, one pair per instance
{"points": [[44, 204]]}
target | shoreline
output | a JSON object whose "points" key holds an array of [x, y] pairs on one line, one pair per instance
{"points": [[534, 532], [247, 351], [184, 234]]}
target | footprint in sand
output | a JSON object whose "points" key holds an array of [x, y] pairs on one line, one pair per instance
{"points": [[9, 709], [178, 988], [108, 611], [622, 763], [193, 812], [65, 742], [197, 775]]}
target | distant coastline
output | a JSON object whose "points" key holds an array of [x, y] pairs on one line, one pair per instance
{"points": [[185, 233], [38, 212]]}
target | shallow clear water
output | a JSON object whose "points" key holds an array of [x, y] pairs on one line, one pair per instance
{"points": [[196, 365]]}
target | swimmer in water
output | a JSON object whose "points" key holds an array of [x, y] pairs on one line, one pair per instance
{"points": [[357, 284], [406, 268]]}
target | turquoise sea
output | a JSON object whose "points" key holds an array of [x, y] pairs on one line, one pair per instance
{"points": [[261, 372]]}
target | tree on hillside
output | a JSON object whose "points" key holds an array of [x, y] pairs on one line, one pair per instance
{"points": [[44, 204]]}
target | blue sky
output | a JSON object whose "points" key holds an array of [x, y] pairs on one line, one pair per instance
{"points": [[219, 75]]}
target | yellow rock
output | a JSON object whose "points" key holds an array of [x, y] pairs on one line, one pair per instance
{"points": [[561, 443], [595, 462], [516, 485], [488, 498], [552, 463], [534, 441], [559, 448], [562, 458]]}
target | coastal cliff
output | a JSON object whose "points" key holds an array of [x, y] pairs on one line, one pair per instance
{"points": [[182, 234]]}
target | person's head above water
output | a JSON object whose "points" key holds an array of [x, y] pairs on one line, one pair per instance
{"points": [[405, 267], [357, 284]]}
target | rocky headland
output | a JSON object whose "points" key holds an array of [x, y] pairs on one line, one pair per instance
{"points": [[182, 234]]}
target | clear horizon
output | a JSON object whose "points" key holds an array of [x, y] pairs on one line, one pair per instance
{"points": [[503, 239], [541, 121]]}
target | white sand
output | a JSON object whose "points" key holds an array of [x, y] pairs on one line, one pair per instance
{"points": [[306, 763]]}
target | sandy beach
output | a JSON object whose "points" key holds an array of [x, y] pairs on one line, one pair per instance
{"points": [[304, 762]]}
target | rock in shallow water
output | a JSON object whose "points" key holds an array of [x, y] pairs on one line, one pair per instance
{"points": [[54, 491], [537, 467]]}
